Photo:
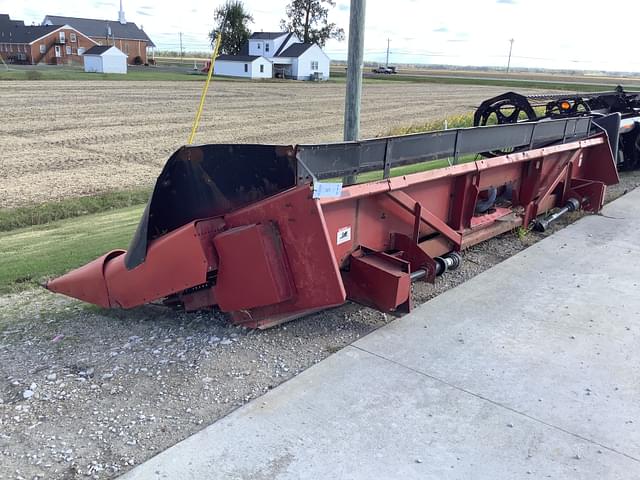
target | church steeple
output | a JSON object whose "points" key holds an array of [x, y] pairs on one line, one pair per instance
{"points": [[121, 15]]}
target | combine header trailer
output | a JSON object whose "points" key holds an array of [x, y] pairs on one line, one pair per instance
{"points": [[268, 234]]}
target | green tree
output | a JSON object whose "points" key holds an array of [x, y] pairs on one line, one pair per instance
{"points": [[232, 21], [308, 19]]}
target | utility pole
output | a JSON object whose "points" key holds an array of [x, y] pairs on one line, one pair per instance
{"points": [[510, 49], [181, 52], [354, 71], [388, 41]]}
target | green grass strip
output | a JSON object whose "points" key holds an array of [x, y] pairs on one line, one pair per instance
{"points": [[184, 73], [12, 218], [29, 255], [494, 82], [73, 73]]}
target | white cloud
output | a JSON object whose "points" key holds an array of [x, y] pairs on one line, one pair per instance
{"points": [[547, 33]]}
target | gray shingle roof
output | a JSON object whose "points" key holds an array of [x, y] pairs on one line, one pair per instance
{"points": [[98, 49], [284, 43], [295, 50], [15, 31], [238, 58], [266, 35], [98, 28], [6, 21]]}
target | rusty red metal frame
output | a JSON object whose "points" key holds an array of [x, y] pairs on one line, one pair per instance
{"points": [[290, 254]]}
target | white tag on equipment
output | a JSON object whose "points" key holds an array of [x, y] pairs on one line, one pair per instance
{"points": [[344, 235], [325, 190]]}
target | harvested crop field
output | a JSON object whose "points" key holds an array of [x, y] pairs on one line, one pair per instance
{"points": [[71, 138]]}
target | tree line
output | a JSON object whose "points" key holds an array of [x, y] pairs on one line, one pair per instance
{"points": [[308, 19]]}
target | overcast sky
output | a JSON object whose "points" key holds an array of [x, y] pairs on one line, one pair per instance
{"points": [[549, 34]]}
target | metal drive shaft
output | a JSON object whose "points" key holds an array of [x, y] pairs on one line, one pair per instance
{"points": [[447, 262], [541, 225]]}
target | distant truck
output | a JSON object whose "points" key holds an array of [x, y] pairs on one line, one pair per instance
{"points": [[387, 70]]}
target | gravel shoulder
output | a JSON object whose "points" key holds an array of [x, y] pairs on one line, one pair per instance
{"points": [[88, 393]]}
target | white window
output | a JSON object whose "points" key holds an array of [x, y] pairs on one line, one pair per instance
{"points": [[262, 68], [72, 37], [314, 65], [266, 47], [68, 50], [61, 37], [80, 51], [259, 46], [43, 48], [246, 67]]}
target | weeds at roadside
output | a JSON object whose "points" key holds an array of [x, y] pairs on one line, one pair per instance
{"points": [[464, 120], [522, 232], [33, 75]]}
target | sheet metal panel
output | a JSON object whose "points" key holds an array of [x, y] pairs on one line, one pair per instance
{"points": [[350, 158]]}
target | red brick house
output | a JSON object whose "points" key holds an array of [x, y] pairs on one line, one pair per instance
{"points": [[126, 36], [50, 44]]}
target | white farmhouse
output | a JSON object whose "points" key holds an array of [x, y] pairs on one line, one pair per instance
{"points": [[248, 66], [302, 61], [286, 55], [105, 59]]}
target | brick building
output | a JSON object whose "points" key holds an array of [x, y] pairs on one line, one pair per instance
{"points": [[50, 44], [127, 36]]}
